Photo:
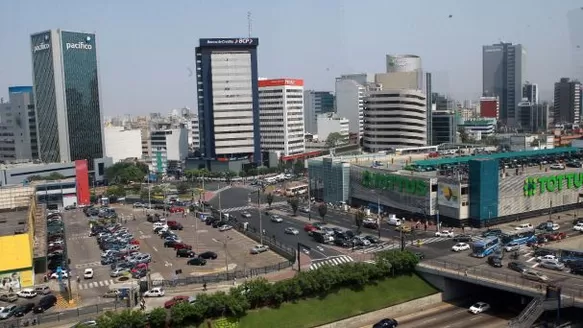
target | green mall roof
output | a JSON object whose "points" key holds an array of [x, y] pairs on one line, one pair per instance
{"points": [[515, 154]]}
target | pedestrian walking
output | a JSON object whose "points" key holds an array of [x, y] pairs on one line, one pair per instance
{"points": [[204, 287], [234, 281]]}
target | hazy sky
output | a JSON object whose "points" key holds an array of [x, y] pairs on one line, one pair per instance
{"points": [[145, 48]]}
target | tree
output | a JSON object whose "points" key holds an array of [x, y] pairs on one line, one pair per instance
{"points": [[117, 191], [229, 175], [126, 318], [322, 210], [269, 199], [157, 318], [124, 173], [464, 136], [358, 218], [298, 167], [182, 187], [52, 176], [294, 202], [334, 140]]}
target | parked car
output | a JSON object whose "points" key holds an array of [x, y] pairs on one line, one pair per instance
{"points": [[495, 261], [8, 297], [512, 246], [386, 323], [444, 233], [196, 261], [225, 227], [23, 309], [45, 303], [517, 266], [27, 293], [185, 253], [553, 265], [259, 249], [535, 275], [175, 300], [7, 311], [208, 255]]}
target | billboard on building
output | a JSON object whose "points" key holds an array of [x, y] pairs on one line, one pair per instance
{"points": [[82, 177], [280, 82], [448, 195]]}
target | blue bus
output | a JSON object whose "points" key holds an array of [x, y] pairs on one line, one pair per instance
{"points": [[486, 246], [519, 237]]}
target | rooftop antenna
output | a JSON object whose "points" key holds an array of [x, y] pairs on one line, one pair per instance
{"points": [[249, 23]]}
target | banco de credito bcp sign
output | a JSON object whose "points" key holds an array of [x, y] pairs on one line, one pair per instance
{"points": [[393, 182], [552, 183]]}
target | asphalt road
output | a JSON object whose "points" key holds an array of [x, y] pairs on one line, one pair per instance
{"points": [[458, 317]]}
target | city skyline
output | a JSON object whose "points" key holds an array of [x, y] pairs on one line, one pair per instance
{"points": [[149, 60]]}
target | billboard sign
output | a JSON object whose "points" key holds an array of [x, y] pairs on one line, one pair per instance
{"points": [[82, 177], [229, 42], [448, 195], [394, 182], [553, 183], [280, 82]]}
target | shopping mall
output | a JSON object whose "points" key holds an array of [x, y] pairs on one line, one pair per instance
{"points": [[476, 189]]}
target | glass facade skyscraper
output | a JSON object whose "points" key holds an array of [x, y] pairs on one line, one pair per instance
{"points": [[67, 103]]}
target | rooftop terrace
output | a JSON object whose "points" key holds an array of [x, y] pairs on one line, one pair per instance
{"points": [[517, 154], [14, 222]]}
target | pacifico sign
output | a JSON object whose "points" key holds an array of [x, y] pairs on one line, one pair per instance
{"points": [[553, 183], [79, 45], [395, 182]]}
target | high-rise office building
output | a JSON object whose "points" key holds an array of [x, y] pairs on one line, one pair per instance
{"points": [[429, 104], [503, 67], [66, 89], [530, 92], [18, 126], [316, 103], [567, 104], [350, 93], [228, 100], [394, 119], [526, 116], [405, 71], [281, 108], [490, 107], [444, 127]]}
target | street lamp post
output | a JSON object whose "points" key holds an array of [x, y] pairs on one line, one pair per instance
{"points": [[309, 199], [298, 251], [379, 214], [260, 220]]}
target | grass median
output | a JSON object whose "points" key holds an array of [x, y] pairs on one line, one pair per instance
{"points": [[338, 305]]}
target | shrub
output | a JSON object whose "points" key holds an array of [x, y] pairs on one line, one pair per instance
{"points": [[259, 292]]}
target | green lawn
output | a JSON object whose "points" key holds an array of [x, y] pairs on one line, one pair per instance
{"points": [[340, 305]]}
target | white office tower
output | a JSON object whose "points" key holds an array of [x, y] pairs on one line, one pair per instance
{"points": [[350, 92], [122, 143], [394, 118], [332, 123], [281, 114]]}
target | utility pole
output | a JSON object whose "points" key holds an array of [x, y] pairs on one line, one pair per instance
{"points": [[260, 221], [309, 198], [379, 214], [220, 208], [226, 257]]}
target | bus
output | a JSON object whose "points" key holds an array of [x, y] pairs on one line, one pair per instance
{"points": [[296, 190], [518, 237], [486, 246]]}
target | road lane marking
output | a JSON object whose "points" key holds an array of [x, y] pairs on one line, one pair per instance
{"points": [[534, 265], [475, 318], [140, 231], [530, 259], [154, 248]]}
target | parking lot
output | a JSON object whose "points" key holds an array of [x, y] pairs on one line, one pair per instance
{"points": [[232, 250]]}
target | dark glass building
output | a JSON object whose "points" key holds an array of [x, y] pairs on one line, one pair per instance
{"points": [[66, 87]]}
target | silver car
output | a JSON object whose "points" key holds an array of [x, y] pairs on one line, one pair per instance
{"points": [[553, 265], [118, 272]]}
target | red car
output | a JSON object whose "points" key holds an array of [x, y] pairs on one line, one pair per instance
{"points": [[175, 300], [309, 228], [134, 242], [176, 210], [139, 267], [178, 246], [556, 236]]}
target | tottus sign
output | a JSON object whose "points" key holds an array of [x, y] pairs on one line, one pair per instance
{"points": [[552, 183], [394, 182]]}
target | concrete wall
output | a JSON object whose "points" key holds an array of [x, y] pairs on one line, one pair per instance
{"points": [[417, 305]]}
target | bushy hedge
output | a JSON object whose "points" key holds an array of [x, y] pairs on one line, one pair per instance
{"points": [[258, 293]]}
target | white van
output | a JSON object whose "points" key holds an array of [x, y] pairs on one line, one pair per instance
{"points": [[524, 226], [393, 220]]}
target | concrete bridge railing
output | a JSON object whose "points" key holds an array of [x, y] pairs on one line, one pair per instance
{"points": [[571, 295]]}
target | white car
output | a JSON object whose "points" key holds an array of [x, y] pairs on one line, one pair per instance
{"points": [[27, 293], [304, 210], [276, 219], [64, 275], [524, 226], [578, 226], [444, 233], [7, 311], [225, 227], [155, 292], [548, 257], [291, 231], [88, 273], [246, 214], [259, 249], [479, 308], [555, 227], [557, 167], [159, 225], [512, 246], [460, 247]]}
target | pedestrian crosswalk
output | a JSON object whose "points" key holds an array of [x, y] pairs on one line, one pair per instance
{"points": [[87, 265], [79, 236], [396, 245], [335, 260], [237, 209], [96, 284]]}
